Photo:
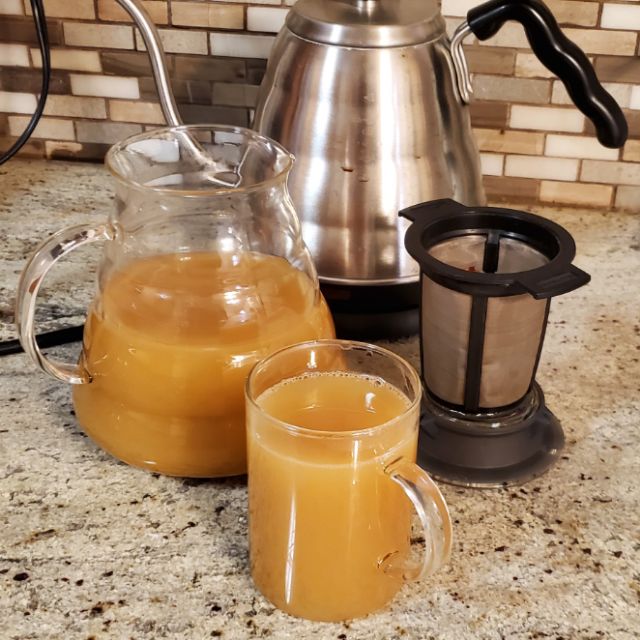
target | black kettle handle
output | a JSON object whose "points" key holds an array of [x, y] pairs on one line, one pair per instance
{"points": [[559, 55]]}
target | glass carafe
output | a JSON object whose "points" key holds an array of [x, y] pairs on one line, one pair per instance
{"points": [[204, 272]]}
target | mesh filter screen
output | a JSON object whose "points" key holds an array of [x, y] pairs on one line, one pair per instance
{"points": [[513, 330]]}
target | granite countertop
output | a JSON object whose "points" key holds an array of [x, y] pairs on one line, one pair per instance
{"points": [[91, 548]]}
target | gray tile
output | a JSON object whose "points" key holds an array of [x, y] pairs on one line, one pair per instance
{"points": [[236, 95], [209, 68], [200, 114], [105, 132]]}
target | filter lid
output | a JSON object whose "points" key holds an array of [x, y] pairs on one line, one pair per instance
{"points": [[445, 233]]}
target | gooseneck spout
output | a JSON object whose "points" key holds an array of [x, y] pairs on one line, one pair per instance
{"points": [[151, 39]]}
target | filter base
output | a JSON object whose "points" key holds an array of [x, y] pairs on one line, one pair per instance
{"points": [[492, 449]]}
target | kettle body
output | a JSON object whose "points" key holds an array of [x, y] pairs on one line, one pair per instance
{"points": [[374, 129]]}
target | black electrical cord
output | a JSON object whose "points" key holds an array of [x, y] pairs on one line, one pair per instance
{"points": [[72, 334], [43, 41]]}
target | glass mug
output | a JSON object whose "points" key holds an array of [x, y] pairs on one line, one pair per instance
{"points": [[332, 430], [204, 272]]}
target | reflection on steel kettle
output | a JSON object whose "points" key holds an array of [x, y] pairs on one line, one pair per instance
{"points": [[370, 96]]}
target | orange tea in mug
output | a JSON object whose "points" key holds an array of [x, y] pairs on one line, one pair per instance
{"points": [[332, 435]]}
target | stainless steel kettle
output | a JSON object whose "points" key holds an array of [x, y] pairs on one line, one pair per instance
{"points": [[370, 96]]}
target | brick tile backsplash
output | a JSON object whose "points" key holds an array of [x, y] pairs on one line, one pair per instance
{"points": [[77, 9], [17, 102], [14, 55], [105, 132], [11, 7], [178, 41], [48, 128], [503, 141], [215, 16], [134, 111], [241, 46], [543, 168], [21, 29], [570, 12], [511, 89], [611, 172], [109, 10], [265, 19], [627, 198], [594, 195], [105, 86], [560, 146], [620, 16], [76, 107], [534, 145], [618, 69], [528, 66], [98, 35], [491, 60], [632, 151], [546, 118], [69, 59]]}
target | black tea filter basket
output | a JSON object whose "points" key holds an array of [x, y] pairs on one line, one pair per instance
{"points": [[487, 279]]}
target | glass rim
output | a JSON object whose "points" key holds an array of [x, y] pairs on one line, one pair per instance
{"points": [[121, 147], [346, 345]]}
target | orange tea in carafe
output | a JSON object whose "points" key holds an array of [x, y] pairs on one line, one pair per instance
{"points": [[168, 346]]}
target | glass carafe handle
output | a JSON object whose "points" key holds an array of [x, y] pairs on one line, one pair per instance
{"points": [[45, 256], [434, 516]]}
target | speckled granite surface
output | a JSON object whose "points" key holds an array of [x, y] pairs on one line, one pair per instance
{"points": [[90, 548]]}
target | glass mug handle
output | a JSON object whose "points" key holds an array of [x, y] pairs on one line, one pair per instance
{"points": [[434, 516], [45, 256]]}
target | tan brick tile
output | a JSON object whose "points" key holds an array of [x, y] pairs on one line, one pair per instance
{"points": [[110, 10], [529, 66], [504, 189], [577, 193], [572, 12], [489, 114], [178, 41], [561, 146], [76, 107], [610, 172], [618, 68], [112, 36], [135, 111], [79, 9], [604, 42], [501, 141], [104, 86], [490, 60], [628, 199], [511, 89], [11, 7], [631, 151], [546, 118], [51, 128], [69, 59], [565, 169], [215, 16]]}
